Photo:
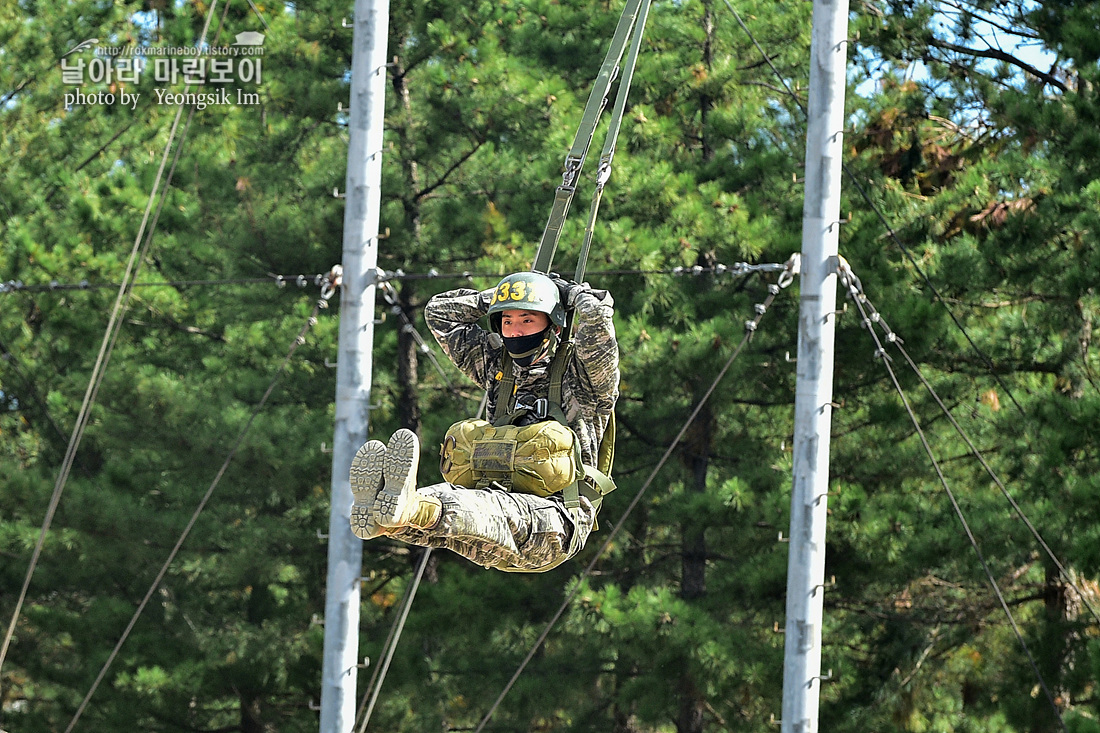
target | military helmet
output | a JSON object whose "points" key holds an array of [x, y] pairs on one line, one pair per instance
{"points": [[527, 291]]}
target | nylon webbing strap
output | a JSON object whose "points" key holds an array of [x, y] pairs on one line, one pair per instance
{"points": [[507, 385], [574, 161], [603, 172], [505, 388], [557, 371]]}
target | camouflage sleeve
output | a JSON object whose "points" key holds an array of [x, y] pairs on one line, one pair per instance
{"points": [[597, 351], [452, 318]]}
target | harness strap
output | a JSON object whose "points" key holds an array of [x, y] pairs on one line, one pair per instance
{"points": [[594, 484], [603, 171], [557, 371], [574, 161], [506, 388], [604, 483]]}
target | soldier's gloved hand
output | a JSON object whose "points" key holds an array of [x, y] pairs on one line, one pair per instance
{"points": [[568, 291], [485, 298]]}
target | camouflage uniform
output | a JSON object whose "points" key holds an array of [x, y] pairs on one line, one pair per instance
{"points": [[515, 531]]}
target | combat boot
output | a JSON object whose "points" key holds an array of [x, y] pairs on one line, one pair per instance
{"points": [[366, 480], [398, 503]]}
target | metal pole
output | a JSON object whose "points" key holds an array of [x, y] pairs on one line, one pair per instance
{"points": [[814, 390], [353, 369]]}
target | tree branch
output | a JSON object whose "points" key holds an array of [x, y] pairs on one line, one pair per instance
{"points": [[447, 173], [999, 55], [93, 156]]}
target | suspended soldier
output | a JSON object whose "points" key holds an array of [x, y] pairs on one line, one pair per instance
{"points": [[522, 490]]}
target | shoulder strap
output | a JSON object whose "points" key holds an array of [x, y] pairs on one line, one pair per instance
{"points": [[557, 371], [606, 456], [506, 388]]}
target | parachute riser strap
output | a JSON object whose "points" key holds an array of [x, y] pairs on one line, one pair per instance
{"points": [[574, 162], [603, 171]]}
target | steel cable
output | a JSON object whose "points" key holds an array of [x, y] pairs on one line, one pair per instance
{"points": [[857, 294], [889, 229], [750, 329], [114, 326], [881, 352], [298, 341]]}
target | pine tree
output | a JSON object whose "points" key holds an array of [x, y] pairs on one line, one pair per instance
{"points": [[981, 167], [985, 202], [226, 639]]}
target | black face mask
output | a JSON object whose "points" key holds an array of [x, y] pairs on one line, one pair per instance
{"points": [[524, 349]]}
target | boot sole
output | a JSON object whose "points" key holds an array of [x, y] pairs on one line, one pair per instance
{"points": [[366, 479], [399, 471]]}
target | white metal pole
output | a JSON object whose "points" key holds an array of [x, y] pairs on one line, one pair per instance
{"points": [[354, 365], [814, 389]]}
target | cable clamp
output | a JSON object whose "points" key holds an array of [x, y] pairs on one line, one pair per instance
{"points": [[571, 173], [792, 267], [848, 278], [330, 281], [603, 172], [389, 294], [376, 276]]}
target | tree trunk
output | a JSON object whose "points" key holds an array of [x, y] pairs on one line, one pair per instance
{"points": [[693, 561], [408, 399], [706, 102], [693, 554], [1051, 652], [408, 381], [252, 716], [624, 722], [692, 706]]}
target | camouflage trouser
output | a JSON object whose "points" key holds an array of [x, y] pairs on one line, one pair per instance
{"points": [[499, 529]]}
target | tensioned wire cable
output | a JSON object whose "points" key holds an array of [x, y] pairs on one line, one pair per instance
{"points": [[18, 286], [880, 351], [374, 687], [53, 191], [122, 130], [750, 328], [298, 341], [370, 695], [389, 293], [378, 677], [383, 276], [882, 218], [989, 365], [856, 293], [114, 326]]}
